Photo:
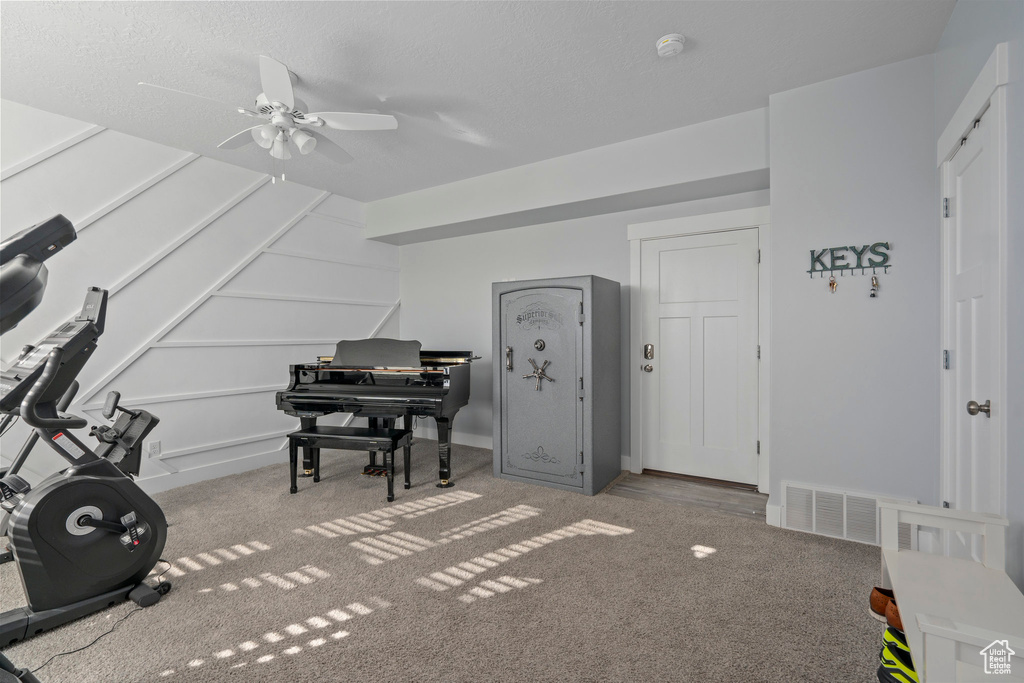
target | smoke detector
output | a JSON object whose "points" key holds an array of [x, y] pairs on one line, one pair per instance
{"points": [[670, 45]]}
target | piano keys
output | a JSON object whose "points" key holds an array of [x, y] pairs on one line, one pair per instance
{"points": [[382, 379]]}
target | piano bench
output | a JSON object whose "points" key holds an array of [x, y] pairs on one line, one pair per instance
{"points": [[352, 439]]}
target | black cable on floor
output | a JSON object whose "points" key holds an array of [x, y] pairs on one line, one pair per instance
{"points": [[71, 652], [160, 583]]}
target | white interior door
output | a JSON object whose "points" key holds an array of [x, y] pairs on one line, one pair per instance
{"points": [[699, 390], [974, 467]]}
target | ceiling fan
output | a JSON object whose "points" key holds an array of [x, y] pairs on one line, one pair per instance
{"points": [[286, 122]]}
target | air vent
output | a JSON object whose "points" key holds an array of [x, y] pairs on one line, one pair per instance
{"points": [[799, 508], [836, 513], [861, 519]]}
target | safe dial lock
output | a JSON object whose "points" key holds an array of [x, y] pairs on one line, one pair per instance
{"points": [[539, 344], [538, 372]]}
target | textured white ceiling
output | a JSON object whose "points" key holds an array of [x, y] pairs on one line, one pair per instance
{"points": [[476, 86]]}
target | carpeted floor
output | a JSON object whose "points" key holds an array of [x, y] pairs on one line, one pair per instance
{"points": [[487, 581]]}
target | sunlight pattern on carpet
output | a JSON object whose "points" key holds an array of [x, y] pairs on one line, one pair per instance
{"points": [[304, 576], [212, 558], [457, 575], [502, 584], [379, 520], [280, 636], [380, 549]]}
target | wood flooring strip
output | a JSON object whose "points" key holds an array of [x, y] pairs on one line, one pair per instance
{"points": [[679, 492]]}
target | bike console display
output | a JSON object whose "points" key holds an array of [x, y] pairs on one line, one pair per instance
{"points": [[72, 343]]}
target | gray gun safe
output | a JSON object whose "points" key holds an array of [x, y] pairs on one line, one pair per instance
{"points": [[556, 382]]}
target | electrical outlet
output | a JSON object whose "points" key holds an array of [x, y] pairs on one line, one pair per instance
{"points": [[154, 449]]}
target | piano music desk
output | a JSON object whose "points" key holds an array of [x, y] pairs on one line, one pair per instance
{"points": [[316, 437]]}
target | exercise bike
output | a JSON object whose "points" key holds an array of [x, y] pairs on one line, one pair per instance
{"points": [[84, 538]]}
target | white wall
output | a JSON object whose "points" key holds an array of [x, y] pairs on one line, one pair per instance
{"points": [[218, 279], [715, 158], [973, 31], [854, 386], [446, 288]]}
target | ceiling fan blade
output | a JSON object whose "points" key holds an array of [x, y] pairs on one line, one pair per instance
{"points": [[191, 95], [239, 139], [354, 121], [277, 84], [329, 149]]}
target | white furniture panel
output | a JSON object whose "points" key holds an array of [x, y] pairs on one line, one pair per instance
{"points": [[951, 607]]}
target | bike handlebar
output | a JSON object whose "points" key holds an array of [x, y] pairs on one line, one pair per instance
{"points": [[31, 400]]}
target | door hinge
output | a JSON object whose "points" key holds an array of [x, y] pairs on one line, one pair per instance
{"points": [[945, 503], [579, 464], [759, 448], [945, 359], [581, 313], [581, 389], [759, 352], [758, 255], [945, 207]]}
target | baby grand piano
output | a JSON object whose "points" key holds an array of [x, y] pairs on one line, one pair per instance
{"points": [[382, 379]]}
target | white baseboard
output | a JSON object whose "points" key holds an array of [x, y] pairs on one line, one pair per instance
{"points": [[627, 462], [773, 514], [165, 482]]}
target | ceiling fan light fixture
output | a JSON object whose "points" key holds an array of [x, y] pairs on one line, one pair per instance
{"points": [[279, 148], [305, 142], [263, 142]]}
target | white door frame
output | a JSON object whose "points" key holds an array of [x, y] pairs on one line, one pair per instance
{"points": [[760, 218], [986, 96]]}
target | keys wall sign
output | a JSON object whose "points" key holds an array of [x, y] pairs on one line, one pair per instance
{"points": [[873, 257]]}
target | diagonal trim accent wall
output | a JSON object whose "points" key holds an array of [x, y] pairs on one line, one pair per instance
{"points": [[218, 281]]}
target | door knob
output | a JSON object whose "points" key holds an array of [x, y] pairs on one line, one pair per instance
{"points": [[973, 408], [647, 368]]}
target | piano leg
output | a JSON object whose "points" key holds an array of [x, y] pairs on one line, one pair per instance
{"points": [[407, 450], [371, 422], [444, 452], [293, 463], [306, 424], [389, 462]]}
